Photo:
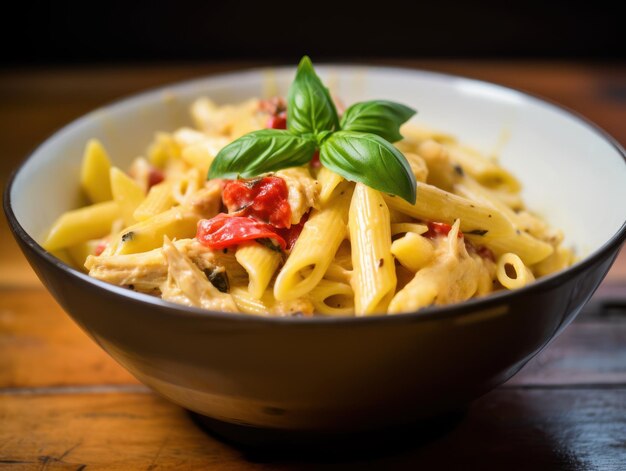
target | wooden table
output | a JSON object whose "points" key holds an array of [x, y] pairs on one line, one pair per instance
{"points": [[64, 404]]}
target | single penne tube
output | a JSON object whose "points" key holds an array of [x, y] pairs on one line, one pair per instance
{"points": [[468, 187], [159, 199], [413, 251], [529, 248], [127, 193], [374, 276], [80, 225], [314, 250], [405, 227], [333, 298], [178, 222], [94, 172], [512, 273], [434, 204], [260, 262], [328, 181], [485, 170]]}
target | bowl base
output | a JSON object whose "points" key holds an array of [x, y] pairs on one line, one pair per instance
{"points": [[271, 444]]}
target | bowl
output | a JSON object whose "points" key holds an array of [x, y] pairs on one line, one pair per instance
{"points": [[332, 375]]}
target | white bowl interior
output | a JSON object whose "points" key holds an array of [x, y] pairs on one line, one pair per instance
{"points": [[571, 174]]}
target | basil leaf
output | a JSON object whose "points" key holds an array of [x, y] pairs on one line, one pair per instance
{"points": [[310, 109], [380, 117], [261, 151], [369, 159]]}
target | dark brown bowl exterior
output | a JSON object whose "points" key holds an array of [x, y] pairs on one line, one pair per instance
{"points": [[338, 375]]}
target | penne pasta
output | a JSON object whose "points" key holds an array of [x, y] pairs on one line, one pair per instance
{"points": [[484, 170], [81, 225], [275, 232], [328, 181], [260, 262], [512, 273], [480, 223], [413, 251], [333, 298], [374, 276], [434, 204], [94, 172], [177, 222], [158, 200], [127, 194], [315, 248]]}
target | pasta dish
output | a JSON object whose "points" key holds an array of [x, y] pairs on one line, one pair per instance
{"points": [[336, 212]]}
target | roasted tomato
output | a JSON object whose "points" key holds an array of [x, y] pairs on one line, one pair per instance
{"points": [[439, 229], [225, 230], [263, 198]]}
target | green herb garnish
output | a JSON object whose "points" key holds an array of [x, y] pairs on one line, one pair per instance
{"points": [[358, 148]]}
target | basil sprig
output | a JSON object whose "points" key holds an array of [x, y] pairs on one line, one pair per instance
{"points": [[348, 152], [379, 117], [262, 151], [310, 109], [358, 148]]}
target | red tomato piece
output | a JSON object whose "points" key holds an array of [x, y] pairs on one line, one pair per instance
{"points": [[155, 176], [278, 121], [100, 247], [291, 235], [315, 161], [439, 229], [263, 198], [224, 231]]}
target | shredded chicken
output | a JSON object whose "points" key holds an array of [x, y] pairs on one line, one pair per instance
{"points": [[187, 285], [207, 201], [147, 271], [304, 191]]}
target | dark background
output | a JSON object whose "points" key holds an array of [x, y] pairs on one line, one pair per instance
{"points": [[92, 32]]}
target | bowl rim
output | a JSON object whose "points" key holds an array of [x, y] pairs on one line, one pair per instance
{"points": [[423, 315]]}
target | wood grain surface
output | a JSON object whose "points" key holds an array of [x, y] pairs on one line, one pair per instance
{"points": [[64, 404]]}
